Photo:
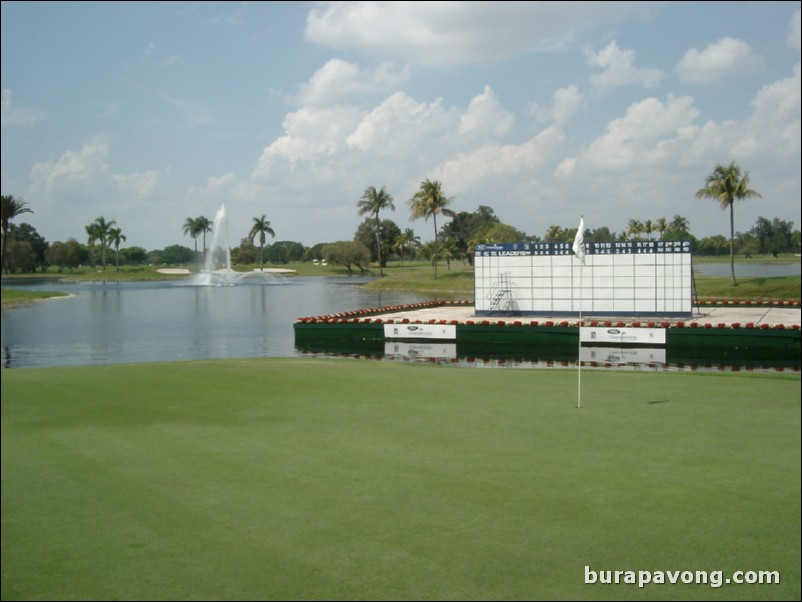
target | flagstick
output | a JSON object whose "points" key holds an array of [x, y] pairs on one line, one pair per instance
{"points": [[579, 348]]}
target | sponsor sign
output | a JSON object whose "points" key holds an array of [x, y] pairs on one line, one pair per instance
{"points": [[622, 335], [426, 350], [420, 331], [623, 355]]}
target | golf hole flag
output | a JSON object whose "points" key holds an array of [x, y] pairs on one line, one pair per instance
{"points": [[579, 241]]}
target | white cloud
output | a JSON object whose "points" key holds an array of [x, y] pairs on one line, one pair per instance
{"points": [[138, 185], [498, 162], [459, 33], [339, 81], [86, 168], [619, 69], [486, 117], [309, 133], [401, 124], [641, 137], [721, 59], [17, 116], [564, 105]]}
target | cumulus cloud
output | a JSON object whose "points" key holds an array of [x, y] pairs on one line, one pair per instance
{"points": [[643, 135], [340, 81], [11, 116], [309, 132], [485, 116], [618, 69], [400, 123], [493, 162], [564, 103], [726, 57], [85, 167], [458, 33]]}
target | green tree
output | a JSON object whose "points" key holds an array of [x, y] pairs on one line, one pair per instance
{"points": [[727, 184], [428, 202], [372, 202], [634, 228], [261, 227], [26, 233], [347, 254], [65, 254], [203, 226], [116, 236], [98, 231], [11, 208], [406, 242], [192, 228]]}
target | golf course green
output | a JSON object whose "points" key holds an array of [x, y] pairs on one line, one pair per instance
{"points": [[346, 479]]}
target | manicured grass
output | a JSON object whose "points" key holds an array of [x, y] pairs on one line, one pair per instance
{"points": [[338, 479], [14, 296]]}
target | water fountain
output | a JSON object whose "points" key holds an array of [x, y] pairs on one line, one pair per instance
{"points": [[217, 270]]}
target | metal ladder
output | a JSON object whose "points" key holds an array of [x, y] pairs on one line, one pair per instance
{"points": [[502, 288]]}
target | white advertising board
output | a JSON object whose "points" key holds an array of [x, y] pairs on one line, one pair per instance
{"points": [[420, 331], [621, 355], [415, 350], [622, 335]]}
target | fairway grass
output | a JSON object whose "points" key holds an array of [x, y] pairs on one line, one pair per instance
{"points": [[343, 479]]}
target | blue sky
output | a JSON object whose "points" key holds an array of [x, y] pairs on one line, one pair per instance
{"points": [[151, 112]]}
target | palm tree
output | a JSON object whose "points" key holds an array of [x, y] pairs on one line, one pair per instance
{"points": [[261, 227], [99, 230], [648, 228], [634, 227], [404, 241], [11, 208], [203, 225], [428, 202], [726, 184], [191, 229], [373, 201], [116, 236], [660, 226]]}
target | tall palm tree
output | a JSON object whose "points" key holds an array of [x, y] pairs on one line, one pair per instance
{"points": [[99, 231], [204, 225], [11, 208], [116, 236], [373, 201], [428, 202], [191, 229], [726, 184], [261, 227]]}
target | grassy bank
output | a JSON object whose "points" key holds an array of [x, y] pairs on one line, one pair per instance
{"points": [[298, 479]]}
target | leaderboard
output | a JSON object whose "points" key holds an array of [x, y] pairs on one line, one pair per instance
{"points": [[636, 278]]}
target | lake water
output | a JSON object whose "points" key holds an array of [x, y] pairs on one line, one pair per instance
{"points": [[133, 322], [138, 322]]}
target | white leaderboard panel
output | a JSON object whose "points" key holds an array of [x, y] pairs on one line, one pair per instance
{"points": [[631, 278]]}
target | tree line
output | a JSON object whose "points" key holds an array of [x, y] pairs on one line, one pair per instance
{"points": [[376, 240]]}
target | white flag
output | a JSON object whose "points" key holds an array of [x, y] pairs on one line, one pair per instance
{"points": [[579, 241]]}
